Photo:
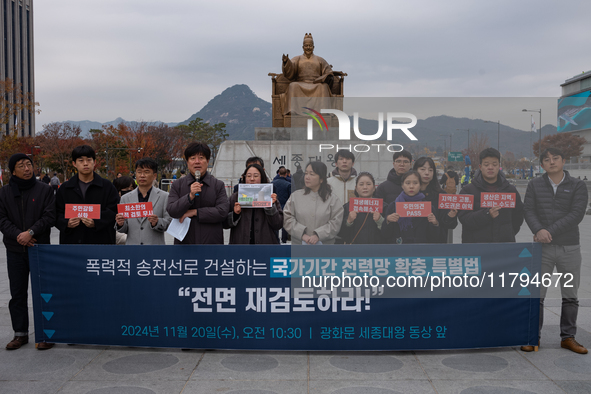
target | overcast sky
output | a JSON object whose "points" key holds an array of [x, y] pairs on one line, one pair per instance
{"points": [[164, 60]]}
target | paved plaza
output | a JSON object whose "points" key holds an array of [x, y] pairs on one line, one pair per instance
{"points": [[123, 370]]}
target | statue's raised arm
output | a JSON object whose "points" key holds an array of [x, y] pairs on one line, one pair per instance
{"points": [[310, 75]]}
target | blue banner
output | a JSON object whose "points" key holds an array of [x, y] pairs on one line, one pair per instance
{"points": [[389, 297]]}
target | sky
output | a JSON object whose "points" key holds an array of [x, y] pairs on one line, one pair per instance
{"points": [[164, 60]]}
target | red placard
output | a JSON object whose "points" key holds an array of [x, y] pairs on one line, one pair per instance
{"points": [[503, 200], [413, 209], [464, 202], [366, 204], [90, 211], [135, 210]]}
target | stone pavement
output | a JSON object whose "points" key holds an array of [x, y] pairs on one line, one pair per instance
{"points": [[105, 370]]}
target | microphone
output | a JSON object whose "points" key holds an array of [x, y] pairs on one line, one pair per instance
{"points": [[197, 177]]}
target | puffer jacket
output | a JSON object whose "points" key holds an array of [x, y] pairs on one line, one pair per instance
{"points": [[391, 189], [560, 214], [478, 226]]}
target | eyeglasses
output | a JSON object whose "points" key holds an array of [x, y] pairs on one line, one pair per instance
{"points": [[402, 162], [24, 165]]}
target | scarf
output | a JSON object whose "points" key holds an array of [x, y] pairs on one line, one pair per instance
{"points": [[406, 223], [17, 184]]}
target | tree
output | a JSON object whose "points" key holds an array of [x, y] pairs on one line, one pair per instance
{"points": [[13, 102], [571, 145], [170, 146], [509, 162], [478, 143], [212, 135], [57, 140]]}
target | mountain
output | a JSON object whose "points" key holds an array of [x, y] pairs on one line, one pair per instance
{"points": [[87, 125], [433, 131], [240, 109]]}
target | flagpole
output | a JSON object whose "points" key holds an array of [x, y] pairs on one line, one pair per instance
{"points": [[539, 137], [531, 155]]}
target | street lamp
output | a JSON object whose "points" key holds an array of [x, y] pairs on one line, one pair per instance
{"points": [[468, 130], [107, 149], [498, 122], [539, 137], [445, 145]]}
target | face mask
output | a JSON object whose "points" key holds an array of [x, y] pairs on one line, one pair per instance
{"points": [[124, 192]]}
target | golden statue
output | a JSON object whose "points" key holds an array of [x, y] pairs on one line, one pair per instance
{"points": [[308, 76]]}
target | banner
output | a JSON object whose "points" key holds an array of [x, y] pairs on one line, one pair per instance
{"points": [[503, 200], [359, 204], [135, 210], [413, 209], [253, 297], [456, 201], [91, 211]]}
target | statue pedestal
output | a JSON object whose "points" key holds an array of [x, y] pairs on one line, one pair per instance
{"points": [[296, 134]]}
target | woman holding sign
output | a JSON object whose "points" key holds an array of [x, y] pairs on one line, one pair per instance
{"points": [[362, 220], [250, 225], [410, 218], [425, 166], [313, 215]]}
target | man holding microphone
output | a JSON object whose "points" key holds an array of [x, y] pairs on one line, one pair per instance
{"points": [[200, 197]]}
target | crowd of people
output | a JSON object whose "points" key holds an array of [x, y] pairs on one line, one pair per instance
{"points": [[311, 208]]}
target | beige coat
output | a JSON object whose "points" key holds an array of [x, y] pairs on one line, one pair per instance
{"points": [[308, 214], [341, 188]]}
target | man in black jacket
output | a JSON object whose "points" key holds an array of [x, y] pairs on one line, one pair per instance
{"points": [[391, 188], [27, 213], [496, 224], [87, 187], [555, 204]]}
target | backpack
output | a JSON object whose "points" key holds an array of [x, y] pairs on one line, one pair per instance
{"points": [[450, 185], [54, 181]]}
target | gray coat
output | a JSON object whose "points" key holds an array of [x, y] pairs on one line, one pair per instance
{"points": [[212, 209], [139, 230]]}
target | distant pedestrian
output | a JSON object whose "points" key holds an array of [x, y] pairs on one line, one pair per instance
{"points": [[54, 183]]}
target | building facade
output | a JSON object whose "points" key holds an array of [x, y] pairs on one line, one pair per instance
{"points": [[574, 110], [16, 57]]}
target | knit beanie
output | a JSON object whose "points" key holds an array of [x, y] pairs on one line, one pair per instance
{"points": [[16, 158]]}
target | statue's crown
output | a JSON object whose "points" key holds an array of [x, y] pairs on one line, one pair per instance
{"points": [[308, 35]]}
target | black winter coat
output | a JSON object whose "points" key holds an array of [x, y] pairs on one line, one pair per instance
{"points": [[560, 214], [421, 232], [267, 221], [390, 189], [33, 209], [478, 226], [100, 191], [363, 233], [445, 222]]}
